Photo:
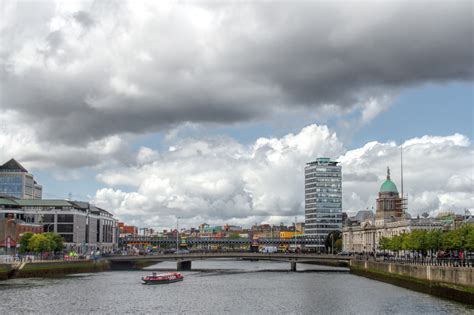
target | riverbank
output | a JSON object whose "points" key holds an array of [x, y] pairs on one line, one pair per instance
{"points": [[5, 270], [455, 283], [51, 268]]}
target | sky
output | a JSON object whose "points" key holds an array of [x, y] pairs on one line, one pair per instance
{"points": [[209, 110]]}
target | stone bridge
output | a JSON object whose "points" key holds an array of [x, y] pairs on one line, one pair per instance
{"points": [[184, 260]]}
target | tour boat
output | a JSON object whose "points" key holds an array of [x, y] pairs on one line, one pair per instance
{"points": [[162, 278]]}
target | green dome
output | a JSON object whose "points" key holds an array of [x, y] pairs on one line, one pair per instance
{"points": [[388, 186]]}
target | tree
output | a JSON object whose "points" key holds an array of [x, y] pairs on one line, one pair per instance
{"points": [[57, 240], [24, 241], [384, 243], [434, 240], [396, 242], [470, 240], [234, 235], [39, 243], [338, 245]]}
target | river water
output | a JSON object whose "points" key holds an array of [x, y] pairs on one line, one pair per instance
{"points": [[220, 287]]}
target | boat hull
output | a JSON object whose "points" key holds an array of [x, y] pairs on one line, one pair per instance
{"points": [[161, 281]]}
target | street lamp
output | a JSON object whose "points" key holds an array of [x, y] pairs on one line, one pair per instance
{"points": [[295, 236], [177, 234]]}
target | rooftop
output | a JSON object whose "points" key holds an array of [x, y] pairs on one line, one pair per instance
{"points": [[13, 165], [322, 161]]}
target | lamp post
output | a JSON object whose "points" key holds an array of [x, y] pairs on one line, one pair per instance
{"points": [[177, 234], [295, 237]]}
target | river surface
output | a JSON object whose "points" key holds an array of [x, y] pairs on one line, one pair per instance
{"points": [[220, 287]]}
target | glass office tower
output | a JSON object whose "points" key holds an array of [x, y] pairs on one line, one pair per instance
{"points": [[323, 199], [15, 181]]}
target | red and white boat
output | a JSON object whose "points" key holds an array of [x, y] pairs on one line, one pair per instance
{"points": [[163, 278]]}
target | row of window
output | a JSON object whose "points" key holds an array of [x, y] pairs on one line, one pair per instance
{"points": [[322, 175], [322, 190], [322, 180], [320, 185], [323, 211], [311, 169], [322, 206]]}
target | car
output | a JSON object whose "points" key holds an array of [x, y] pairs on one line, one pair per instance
{"points": [[344, 253]]}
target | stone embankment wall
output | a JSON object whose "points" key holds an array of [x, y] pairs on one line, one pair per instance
{"points": [[455, 283], [53, 268], [5, 270]]}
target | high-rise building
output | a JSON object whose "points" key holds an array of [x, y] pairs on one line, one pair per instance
{"points": [[15, 181], [323, 199]]}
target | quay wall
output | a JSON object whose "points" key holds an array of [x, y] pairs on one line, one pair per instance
{"points": [[5, 270], [55, 268], [456, 283]]}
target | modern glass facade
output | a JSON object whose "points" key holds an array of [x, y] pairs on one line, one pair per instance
{"points": [[15, 181], [323, 199], [11, 184]]}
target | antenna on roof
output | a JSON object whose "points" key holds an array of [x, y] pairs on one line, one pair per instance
{"points": [[404, 200], [69, 196], [401, 166]]}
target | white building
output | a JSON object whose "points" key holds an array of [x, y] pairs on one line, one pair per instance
{"points": [[389, 220], [323, 199]]}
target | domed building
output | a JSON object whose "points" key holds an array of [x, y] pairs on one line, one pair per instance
{"points": [[389, 205], [362, 235]]}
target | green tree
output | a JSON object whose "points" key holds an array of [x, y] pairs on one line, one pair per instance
{"points": [[470, 239], [384, 243], [234, 235], [39, 243], [57, 240], [396, 242], [338, 245], [434, 240], [24, 241]]}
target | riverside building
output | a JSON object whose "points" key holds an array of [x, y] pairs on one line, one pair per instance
{"points": [[362, 233], [83, 226], [16, 181], [323, 199]]}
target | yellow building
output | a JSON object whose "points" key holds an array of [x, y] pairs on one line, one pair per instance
{"points": [[288, 234]]}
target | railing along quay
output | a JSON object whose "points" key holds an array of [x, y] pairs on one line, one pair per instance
{"points": [[425, 261]]}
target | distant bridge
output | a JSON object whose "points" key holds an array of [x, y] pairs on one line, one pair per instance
{"points": [[221, 241], [184, 260]]}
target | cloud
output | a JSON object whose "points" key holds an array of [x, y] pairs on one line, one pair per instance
{"points": [[78, 72], [25, 145], [218, 179]]}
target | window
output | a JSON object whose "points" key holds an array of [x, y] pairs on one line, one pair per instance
{"points": [[65, 218], [65, 228], [47, 218]]}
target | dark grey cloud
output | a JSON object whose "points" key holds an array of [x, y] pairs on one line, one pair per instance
{"points": [[84, 19], [110, 69]]}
